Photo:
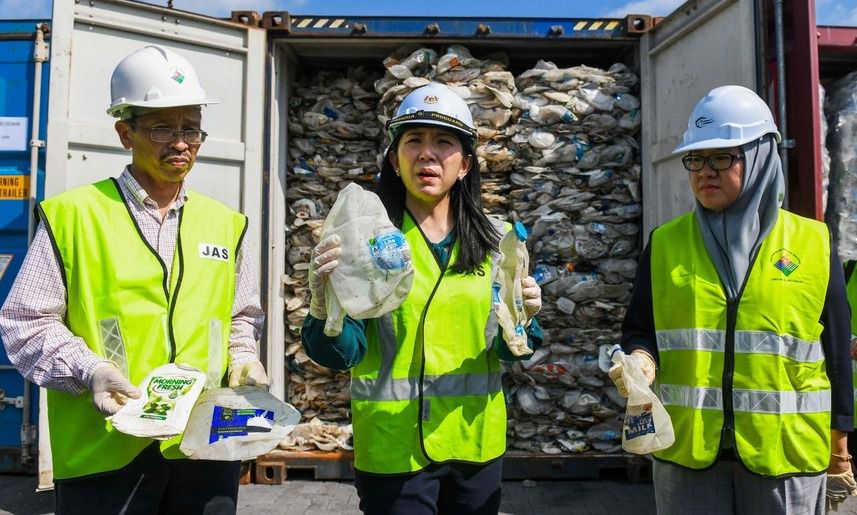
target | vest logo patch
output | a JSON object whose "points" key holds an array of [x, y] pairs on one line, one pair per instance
{"points": [[785, 261], [212, 251]]}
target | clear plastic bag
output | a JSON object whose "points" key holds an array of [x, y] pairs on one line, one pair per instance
{"points": [[240, 423], [646, 426], [374, 274]]}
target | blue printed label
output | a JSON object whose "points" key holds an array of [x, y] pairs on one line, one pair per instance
{"points": [[639, 425], [386, 251], [229, 422]]}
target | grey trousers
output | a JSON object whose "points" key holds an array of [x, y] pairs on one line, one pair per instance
{"points": [[727, 488]]}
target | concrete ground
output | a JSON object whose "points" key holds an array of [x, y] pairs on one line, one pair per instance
{"points": [[299, 497]]}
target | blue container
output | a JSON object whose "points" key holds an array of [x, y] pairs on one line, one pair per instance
{"points": [[17, 68]]}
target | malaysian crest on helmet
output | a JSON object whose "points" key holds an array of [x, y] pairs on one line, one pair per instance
{"points": [[430, 99]]}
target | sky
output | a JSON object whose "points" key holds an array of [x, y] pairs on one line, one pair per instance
{"points": [[828, 12]]}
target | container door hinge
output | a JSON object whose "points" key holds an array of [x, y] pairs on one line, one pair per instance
{"points": [[18, 402]]}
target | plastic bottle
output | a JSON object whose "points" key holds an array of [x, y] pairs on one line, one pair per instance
{"points": [[646, 426], [508, 297]]}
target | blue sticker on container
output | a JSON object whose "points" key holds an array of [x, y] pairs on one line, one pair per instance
{"points": [[386, 251], [229, 422]]}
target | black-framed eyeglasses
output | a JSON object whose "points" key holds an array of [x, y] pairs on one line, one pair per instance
{"points": [[168, 134], [717, 162]]}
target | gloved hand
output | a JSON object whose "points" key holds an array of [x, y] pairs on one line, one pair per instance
{"points": [[110, 389], [839, 487], [251, 373], [532, 294], [322, 261], [647, 365]]}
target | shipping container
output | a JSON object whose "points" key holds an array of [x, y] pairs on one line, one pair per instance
{"points": [[23, 99], [252, 61]]}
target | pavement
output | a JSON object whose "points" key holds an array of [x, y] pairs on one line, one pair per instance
{"points": [[604, 496]]}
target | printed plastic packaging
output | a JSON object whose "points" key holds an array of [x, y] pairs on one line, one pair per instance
{"points": [[237, 424], [374, 274], [508, 298], [647, 426], [169, 393]]}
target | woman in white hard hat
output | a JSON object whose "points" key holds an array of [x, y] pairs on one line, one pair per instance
{"points": [[429, 415], [739, 312]]}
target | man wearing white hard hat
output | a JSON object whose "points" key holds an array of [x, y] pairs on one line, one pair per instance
{"points": [[739, 312], [123, 276]]}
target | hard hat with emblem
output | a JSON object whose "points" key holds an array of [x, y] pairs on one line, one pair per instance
{"points": [[154, 77], [728, 116], [433, 104]]}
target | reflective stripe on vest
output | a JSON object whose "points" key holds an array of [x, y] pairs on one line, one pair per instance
{"points": [[748, 342], [436, 347], [757, 368], [125, 311], [433, 386], [749, 401]]}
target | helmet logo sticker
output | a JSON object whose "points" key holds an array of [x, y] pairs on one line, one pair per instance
{"points": [[177, 75], [430, 99], [702, 122]]}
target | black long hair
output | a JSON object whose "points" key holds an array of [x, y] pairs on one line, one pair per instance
{"points": [[475, 234]]}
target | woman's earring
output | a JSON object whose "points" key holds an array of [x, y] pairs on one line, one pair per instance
{"points": [[397, 172]]}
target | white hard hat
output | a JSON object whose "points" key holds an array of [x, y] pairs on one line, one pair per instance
{"points": [[153, 78], [728, 116], [433, 104]]}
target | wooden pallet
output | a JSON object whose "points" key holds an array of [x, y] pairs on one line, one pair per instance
{"points": [[274, 468]]}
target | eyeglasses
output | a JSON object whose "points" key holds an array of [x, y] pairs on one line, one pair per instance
{"points": [[168, 134], [717, 162]]}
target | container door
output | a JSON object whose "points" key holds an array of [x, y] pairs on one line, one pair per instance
{"points": [[90, 38], [18, 91], [702, 45]]}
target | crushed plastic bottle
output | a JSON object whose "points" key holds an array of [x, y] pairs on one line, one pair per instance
{"points": [[374, 274], [646, 426], [508, 296]]}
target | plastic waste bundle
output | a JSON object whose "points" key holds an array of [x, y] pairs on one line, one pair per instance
{"points": [[508, 298], [237, 424], [647, 426], [374, 274], [169, 393]]}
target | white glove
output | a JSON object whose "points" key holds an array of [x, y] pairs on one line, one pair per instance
{"points": [[110, 389], [532, 294], [647, 365], [322, 261], [839, 487], [251, 373]]}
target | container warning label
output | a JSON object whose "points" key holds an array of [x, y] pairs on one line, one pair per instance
{"points": [[14, 187]]}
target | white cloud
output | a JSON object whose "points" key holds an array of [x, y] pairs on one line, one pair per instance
{"points": [[652, 7]]}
